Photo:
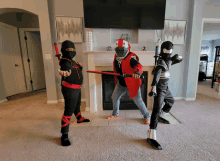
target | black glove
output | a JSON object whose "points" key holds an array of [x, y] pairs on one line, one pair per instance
{"points": [[153, 92], [174, 57]]}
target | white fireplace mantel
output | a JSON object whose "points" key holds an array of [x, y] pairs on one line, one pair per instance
{"points": [[103, 60]]}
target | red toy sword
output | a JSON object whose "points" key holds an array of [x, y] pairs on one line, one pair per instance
{"points": [[115, 74], [57, 51]]}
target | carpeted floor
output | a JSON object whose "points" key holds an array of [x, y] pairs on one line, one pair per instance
{"points": [[30, 131], [204, 87]]}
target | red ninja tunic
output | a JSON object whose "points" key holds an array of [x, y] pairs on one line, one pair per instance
{"points": [[132, 84]]}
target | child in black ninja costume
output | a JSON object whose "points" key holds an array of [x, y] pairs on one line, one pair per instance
{"points": [[160, 90], [72, 80]]}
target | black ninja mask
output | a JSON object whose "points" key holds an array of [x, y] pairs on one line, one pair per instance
{"points": [[121, 48], [68, 54], [166, 50]]}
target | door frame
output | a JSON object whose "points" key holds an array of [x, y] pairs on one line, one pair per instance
{"points": [[25, 56], [207, 20]]}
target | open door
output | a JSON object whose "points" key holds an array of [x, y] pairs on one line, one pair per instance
{"points": [[35, 56], [11, 61]]}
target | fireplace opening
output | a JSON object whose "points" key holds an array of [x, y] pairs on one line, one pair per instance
{"points": [[108, 86]]}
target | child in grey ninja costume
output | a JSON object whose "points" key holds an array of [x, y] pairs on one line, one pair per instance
{"points": [[160, 90]]}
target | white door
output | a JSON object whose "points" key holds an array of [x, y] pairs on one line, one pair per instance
{"points": [[11, 61], [36, 60]]}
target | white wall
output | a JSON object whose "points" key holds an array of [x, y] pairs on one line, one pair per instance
{"points": [[211, 9], [177, 10]]}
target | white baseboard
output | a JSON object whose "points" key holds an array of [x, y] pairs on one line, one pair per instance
{"points": [[2, 101], [52, 101], [83, 100], [178, 98], [87, 109], [190, 99], [61, 100], [182, 98]]}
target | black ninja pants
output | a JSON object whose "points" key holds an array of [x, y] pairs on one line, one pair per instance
{"points": [[163, 95], [72, 99]]}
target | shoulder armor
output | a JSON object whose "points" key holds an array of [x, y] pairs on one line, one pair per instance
{"points": [[134, 57], [162, 63], [64, 59]]}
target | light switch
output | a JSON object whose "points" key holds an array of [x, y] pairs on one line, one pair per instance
{"points": [[48, 56]]}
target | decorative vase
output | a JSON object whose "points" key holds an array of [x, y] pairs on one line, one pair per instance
{"points": [[89, 44], [109, 48]]}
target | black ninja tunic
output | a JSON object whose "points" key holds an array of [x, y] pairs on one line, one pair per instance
{"points": [[72, 96]]}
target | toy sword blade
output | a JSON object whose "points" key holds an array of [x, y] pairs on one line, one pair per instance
{"points": [[156, 50], [115, 74]]}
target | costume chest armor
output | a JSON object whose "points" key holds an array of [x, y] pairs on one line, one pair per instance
{"points": [[165, 73]]}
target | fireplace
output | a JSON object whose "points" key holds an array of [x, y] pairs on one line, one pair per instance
{"points": [[126, 103], [103, 61]]}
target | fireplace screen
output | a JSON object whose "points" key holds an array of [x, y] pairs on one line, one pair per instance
{"points": [[126, 103]]}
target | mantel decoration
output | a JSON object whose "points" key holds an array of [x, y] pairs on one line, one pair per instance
{"points": [[174, 31], [69, 28], [204, 49]]}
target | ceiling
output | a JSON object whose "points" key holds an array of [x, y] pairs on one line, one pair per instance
{"points": [[211, 31]]}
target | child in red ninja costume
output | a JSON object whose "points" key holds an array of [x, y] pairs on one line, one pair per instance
{"points": [[72, 80], [127, 62]]}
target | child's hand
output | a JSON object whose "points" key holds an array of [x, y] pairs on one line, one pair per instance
{"points": [[64, 73], [135, 76]]}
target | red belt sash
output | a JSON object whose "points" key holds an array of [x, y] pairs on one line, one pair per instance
{"points": [[75, 86]]}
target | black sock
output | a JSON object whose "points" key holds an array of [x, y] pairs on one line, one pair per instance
{"points": [[65, 140]]}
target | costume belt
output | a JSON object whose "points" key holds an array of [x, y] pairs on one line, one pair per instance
{"points": [[165, 75], [74, 86]]}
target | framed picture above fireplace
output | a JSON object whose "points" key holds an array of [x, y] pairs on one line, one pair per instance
{"points": [[174, 31], [108, 86], [69, 28]]}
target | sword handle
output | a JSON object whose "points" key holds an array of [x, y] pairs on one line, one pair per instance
{"points": [[124, 75], [57, 51]]}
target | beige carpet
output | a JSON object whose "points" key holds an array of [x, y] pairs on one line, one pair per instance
{"points": [[204, 87], [30, 130]]}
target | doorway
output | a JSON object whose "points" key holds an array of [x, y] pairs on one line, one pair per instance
{"points": [[210, 39], [32, 58], [35, 60]]}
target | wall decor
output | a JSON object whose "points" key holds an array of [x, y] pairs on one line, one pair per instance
{"points": [[204, 49], [109, 48], [89, 41], [174, 31], [69, 28]]}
